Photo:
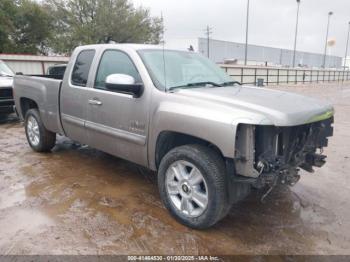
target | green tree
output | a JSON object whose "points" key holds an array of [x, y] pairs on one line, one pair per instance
{"points": [[78, 22], [33, 28], [7, 12], [25, 27]]}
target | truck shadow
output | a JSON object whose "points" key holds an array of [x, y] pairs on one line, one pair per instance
{"points": [[8, 119]]}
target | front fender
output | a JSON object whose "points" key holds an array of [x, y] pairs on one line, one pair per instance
{"points": [[202, 123]]}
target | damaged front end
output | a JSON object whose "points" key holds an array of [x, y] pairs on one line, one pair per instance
{"points": [[267, 155]]}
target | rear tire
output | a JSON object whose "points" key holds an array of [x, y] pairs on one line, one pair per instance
{"points": [[213, 189], [39, 138]]}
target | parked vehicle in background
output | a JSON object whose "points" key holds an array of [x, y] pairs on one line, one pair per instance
{"points": [[57, 70], [175, 112], [6, 91]]}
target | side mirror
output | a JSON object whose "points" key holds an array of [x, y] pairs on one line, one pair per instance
{"points": [[124, 84]]}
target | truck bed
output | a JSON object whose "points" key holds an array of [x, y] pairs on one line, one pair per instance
{"points": [[46, 92]]}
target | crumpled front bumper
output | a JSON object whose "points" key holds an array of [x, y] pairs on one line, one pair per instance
{"points": [[268, 152]]}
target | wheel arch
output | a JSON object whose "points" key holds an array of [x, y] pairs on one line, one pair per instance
{"points": [[167, 140], [26, 104]]}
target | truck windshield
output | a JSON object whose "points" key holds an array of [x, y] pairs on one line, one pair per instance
{"points": [[5, 70], [180, 69]]}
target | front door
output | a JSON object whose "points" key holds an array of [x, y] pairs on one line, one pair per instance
{"points": [[117, 123]]}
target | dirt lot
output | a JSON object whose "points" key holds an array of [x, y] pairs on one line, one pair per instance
{"points": [[77, 200]]}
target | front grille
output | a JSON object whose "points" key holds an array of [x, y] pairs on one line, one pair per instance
{"points": [[6, 93]]}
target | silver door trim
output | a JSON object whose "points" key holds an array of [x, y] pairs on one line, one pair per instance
{"points": [[117, 133]]}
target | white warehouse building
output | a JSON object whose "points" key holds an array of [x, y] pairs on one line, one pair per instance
{"points": [[346, 62], [31, 64], [221, 51]]}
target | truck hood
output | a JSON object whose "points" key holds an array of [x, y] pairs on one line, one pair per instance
{"points": [[277, 107], [6, 81]]}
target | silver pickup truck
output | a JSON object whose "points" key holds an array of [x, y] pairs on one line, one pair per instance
{"points": [[210, 139], [6, 96]]}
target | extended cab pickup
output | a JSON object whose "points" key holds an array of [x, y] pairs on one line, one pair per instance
{"points": [[209, 138]]}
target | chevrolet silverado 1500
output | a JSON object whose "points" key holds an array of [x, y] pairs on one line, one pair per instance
{"points": [[209, 138]]}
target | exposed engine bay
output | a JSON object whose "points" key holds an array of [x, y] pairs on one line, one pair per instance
{"points": [[267, 155]]}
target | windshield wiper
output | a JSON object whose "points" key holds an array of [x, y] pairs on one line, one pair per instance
{"points": [[196, 84], [231, 83]]}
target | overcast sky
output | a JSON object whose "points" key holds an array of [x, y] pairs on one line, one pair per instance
{"points": [[272, 22]]}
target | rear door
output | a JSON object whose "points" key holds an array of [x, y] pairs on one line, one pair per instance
{"points": [[117, 123], [74, 101]]}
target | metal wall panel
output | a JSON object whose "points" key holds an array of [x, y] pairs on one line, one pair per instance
{"points": [[221, 50], [25, 67], [31, 64]]}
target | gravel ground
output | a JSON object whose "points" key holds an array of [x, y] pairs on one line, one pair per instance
{"points": [[77, 200]]}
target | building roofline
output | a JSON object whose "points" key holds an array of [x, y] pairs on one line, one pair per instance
{"points": [[26, 54], [263, 46]]}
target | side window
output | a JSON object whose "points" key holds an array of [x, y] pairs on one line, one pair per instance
{"points": [[82, 66], [115, 62]]}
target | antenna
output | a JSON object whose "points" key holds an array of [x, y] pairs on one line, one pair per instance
{"points": [[162, 42], [162, 38], [208, 32]]}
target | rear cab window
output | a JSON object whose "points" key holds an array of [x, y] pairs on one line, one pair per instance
{"points": [[81, 69]]}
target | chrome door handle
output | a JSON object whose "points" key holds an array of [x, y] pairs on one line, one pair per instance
{"points": [[95, 102]]}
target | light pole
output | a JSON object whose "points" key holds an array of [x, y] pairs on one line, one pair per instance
{"points": [[208, 33], [246, 35], [346, 48], [296, 33], [326, 44]]}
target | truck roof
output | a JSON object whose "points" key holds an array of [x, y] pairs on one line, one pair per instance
{"points": [[129, 46]]}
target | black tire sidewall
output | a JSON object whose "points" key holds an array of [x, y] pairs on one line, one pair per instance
{"points": [[215, 179], [35, 114]]}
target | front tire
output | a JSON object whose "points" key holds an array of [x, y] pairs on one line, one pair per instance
{"points": [[192, 182], [39, 138]]}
